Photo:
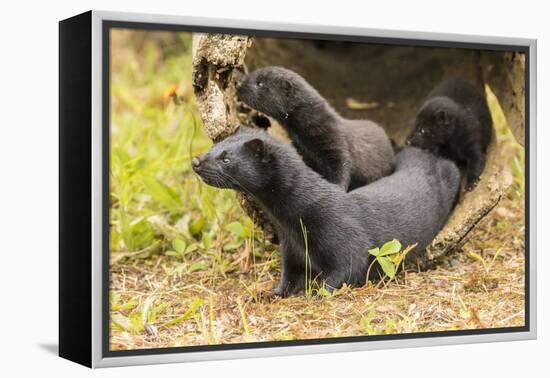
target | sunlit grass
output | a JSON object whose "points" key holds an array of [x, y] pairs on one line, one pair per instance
{"points": [[155, 197], [512, 151]]}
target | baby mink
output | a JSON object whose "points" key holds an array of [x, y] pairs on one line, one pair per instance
{"points": [[411, 205], [349, 153], [455, 123]]}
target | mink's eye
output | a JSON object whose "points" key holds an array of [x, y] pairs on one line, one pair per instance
{"points": [[260, 84], [223, 157], [422, 131]]}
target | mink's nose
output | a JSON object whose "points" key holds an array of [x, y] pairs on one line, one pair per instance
{"points": [[195, 162], [239, 78]]}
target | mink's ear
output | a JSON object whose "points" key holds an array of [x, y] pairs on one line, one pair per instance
{"points": [[258, 148], [441, 117], [287, 87], [240, 129]]}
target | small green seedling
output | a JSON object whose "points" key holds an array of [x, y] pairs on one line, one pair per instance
{"points": [[389, 257], [181, 249]]}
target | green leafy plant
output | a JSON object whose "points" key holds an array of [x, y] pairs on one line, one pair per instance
{"points": [[366, 323], [195, 305], [162, 193], [138, 234], [181, 249], [389, 257], [239, 231]]}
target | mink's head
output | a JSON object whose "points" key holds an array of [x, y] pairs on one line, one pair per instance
{"points": [[242, 162], [274, 91], [435, 124]]}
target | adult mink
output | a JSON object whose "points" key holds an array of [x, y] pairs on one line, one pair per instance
{"points": [[349, 153], [455, 122], [410, 205]]}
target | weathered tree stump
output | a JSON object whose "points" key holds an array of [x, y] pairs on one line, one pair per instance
{"points": [[380, 82]]}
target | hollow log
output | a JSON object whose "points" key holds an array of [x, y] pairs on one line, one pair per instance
{"points": [[383, 83]]}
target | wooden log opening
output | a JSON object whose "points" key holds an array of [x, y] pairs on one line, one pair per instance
{"points": [[385, 83]]}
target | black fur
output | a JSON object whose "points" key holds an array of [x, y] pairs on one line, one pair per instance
{"points": [[411, 205], [350, 153], [455, 122]]}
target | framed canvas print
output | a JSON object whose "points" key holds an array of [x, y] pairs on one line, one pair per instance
{"points": [[234, 189]]}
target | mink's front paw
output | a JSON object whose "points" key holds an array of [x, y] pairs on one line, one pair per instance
{"points": [[471, 183], [278, 292], [288, 291]]}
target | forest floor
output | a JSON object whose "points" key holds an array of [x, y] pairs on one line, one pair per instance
{"points": [[480, 286], [188, 267]]}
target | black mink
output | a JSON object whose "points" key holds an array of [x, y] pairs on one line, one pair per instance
{"points": [[349, 153], [455, 122], [410, 205]]}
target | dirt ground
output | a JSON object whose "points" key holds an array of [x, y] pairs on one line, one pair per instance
{"points": [[481, 285]]}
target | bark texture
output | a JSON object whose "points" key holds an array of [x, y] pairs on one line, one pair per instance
{"points": [[384, 83]]}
